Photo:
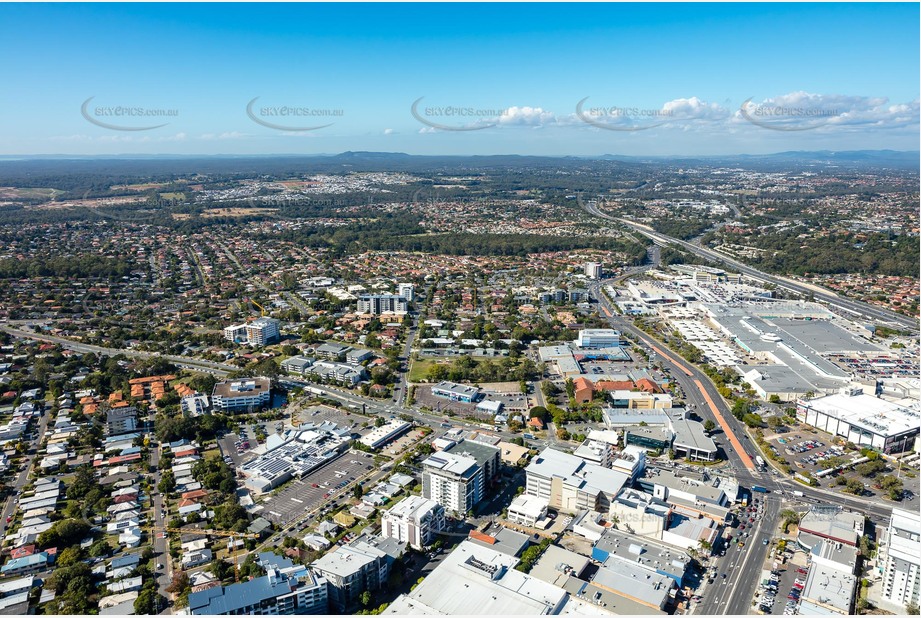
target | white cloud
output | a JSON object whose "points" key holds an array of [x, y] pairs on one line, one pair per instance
{"points": [[801, 110], [388, 131]]}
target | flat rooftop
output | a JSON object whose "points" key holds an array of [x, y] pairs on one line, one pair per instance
{"points": [[475, 579], [867, 412], [245, 387]]}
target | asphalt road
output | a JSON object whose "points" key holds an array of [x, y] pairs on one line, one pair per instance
{"points": [[742, 566], [22, 478], [849, 305]]}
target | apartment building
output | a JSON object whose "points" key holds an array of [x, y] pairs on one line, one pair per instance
{"points": [[259, 332], [902, 561], [274, 594], [415, 520], [376, 304], [454, 481]]}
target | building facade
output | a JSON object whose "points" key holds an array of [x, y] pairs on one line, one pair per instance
{"points": [[243, 394], [902, 565], [594, 338], [454, 481], [376, 304], [415, 521]]}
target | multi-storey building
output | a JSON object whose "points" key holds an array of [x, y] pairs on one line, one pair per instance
{"points": [[274, 594], [594, 338], [571, 484], [243, 394], [902, 562], [454, 481], [263, 331], [407, 291], [415, 520], [377, 304], [260, 332], [593, 270]]}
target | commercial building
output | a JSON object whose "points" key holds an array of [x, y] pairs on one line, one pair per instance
{"points": [[569, 483], [832, 523], [478, 579], [415, 521], [599, 448], [864, 420], [292, 591], [643, 552], [594, 338], [662, 428], [293, 455], [454, 481], [649, 589], [902, 560], [593, 270], [456, 392], [689, 494], [243, 394], [259, 332], [527, 510], [639, 400], [376, 304], [829, 589], [389, 431]]}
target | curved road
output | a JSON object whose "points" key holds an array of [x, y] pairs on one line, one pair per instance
{"points": [[849, 305]]}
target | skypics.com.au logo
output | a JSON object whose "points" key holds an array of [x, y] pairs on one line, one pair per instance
{"points": [[283, 117], [124, 117]]}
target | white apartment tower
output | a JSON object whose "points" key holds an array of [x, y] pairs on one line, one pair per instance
{"points": [[415, 520], [593, 270], [902, 563], [453, 481], [406, 290]]}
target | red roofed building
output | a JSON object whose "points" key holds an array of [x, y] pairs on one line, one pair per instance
{"points": [[479, 536], [648, 386], [614, 385], [536, 422], [22, 552], [584, 390]]}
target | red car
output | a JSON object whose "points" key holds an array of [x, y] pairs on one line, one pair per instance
{"points": [[314, 485], [326, 495]]}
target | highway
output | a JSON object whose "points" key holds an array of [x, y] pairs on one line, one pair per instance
{"points": [[857, 309], [744, 568], [216, 369]]}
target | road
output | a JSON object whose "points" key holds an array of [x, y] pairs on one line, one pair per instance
{"points": [[9, 506], [849, 305], [216, 369], [694, 395], [164, 574], [743, 569], [742, 566]]}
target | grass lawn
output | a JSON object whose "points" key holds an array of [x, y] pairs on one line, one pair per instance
{"points": [[419, 370]]}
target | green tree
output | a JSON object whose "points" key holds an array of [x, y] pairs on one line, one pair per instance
{"points": [[709, 425], [167, 484]]}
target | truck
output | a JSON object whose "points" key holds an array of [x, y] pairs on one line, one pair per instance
{"points": [[798, 494], [760, 489]]}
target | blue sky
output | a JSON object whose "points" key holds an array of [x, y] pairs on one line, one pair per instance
{"points": [[656, 79]]}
